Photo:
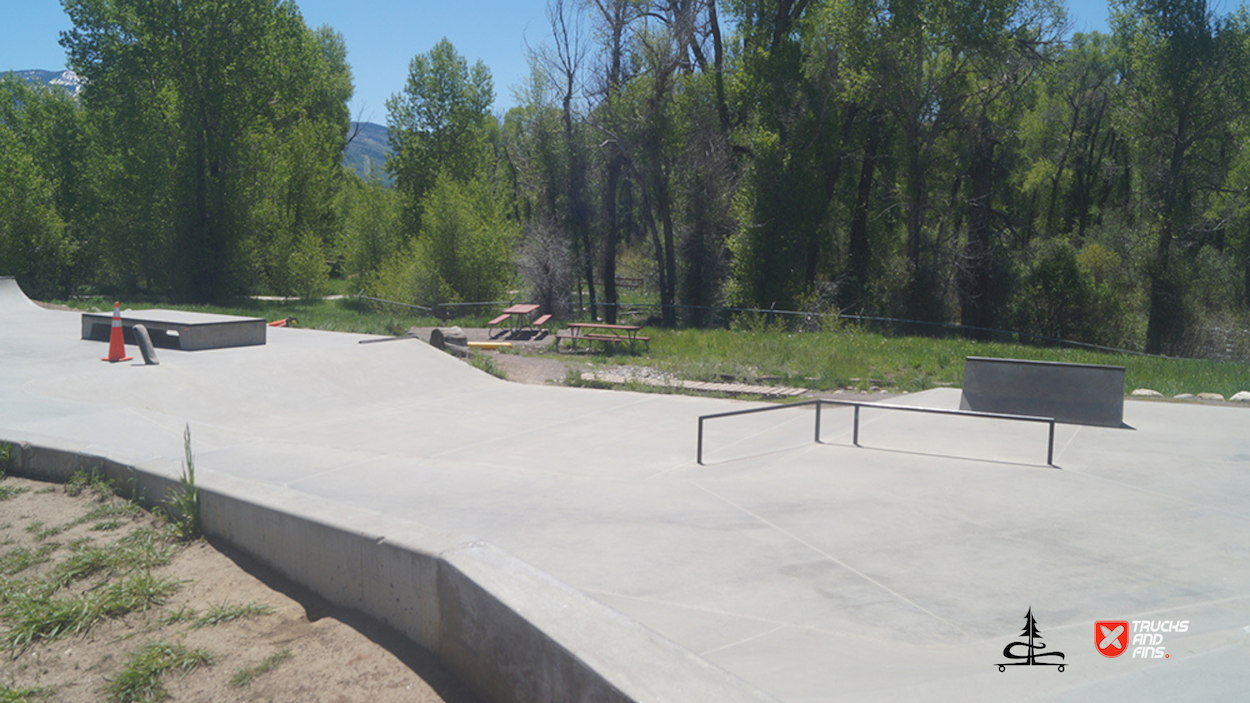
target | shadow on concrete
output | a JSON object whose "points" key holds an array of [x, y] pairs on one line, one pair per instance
{"points": [[936, 455], [423, 663]]}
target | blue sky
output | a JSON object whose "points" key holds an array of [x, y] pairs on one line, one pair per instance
{"points": [[382, 36]]}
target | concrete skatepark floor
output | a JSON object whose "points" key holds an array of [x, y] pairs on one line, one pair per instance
{"points": [[815, 572]]}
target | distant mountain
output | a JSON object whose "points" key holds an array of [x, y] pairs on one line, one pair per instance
{"points": [[64, 79], [367, 151]]}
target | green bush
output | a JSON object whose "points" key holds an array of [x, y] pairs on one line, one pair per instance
{"points": [[463, 251], [1061, 296]]}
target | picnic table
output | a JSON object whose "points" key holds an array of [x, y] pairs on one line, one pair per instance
{"points": [[519, 317], [591, 332]]}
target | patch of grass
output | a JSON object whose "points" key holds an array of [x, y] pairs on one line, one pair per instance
{"points": [[41, 532], [36, 614], [181, 615], [7, 492], [140, 550], [18, 560], [141, 681], [107, 526], [112, 509], [23, 695], [226, 612], [247, 674], [573, 378], [482, 362], [92, 481]]}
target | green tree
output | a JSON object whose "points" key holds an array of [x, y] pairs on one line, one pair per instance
{"points": [[437, 125], [371, 225], [33, 245], [1185, 91], [41, 138], [193, 99]]}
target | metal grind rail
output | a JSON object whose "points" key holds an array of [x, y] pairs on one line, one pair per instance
{"points": [[1050, 444]]}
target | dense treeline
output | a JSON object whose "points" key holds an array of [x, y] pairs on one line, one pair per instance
{"points": [[952, 162]]}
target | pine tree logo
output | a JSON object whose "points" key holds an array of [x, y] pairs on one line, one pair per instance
{"points": [[1032, 646]]}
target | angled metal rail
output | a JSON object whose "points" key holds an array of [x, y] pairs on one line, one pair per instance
{"points": [[1050, 444]]}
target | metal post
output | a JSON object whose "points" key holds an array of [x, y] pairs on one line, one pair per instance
{"points": [[1050, 446], [700, 452], [818, 420], [855, 441]]}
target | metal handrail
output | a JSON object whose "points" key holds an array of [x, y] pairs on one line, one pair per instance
{"points": [[818, 402]]}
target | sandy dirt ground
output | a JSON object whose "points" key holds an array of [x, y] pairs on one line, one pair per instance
{"points": [[331, 656]]}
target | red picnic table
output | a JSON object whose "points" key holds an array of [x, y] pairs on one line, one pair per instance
{"points": [[519, 314]]}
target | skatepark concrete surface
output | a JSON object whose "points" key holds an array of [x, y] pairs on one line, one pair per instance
{"points": [[780, 570]]}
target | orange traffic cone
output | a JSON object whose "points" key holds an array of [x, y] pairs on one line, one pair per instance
{"points": [[117, 346]]}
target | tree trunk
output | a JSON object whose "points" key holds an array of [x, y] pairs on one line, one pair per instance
{"points": [[1164, 322], [919, 304], [859, 249], [610, 298], [668, 257], [976, 309]]}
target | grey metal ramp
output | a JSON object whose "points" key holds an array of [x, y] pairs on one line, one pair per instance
{"points": [[899, 570]]}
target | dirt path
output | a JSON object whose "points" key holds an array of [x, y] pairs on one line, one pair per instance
{"points": [[319, 653]]}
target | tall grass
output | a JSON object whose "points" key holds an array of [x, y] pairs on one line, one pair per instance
{"points": [[183, 510], [853, 358]]}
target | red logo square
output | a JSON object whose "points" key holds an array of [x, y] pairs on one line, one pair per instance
{"points": [[1111, 637]]}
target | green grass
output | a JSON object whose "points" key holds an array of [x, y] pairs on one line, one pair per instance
{"points": [[7, 492], [853, 358], [140, 550], [181, 615], [34, 610], [227, 612], [37, 614], [246, 675], [23, 695], [487, 364], [18, 560], [41, 532], [141, 681]]}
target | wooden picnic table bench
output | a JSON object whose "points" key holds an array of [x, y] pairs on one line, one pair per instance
{"points": [[596, 332], [497, 321], [519, 315]]}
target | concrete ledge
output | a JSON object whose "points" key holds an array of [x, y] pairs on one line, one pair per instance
{"points": [[1078, 394], [511, 632], [179, 329]]}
